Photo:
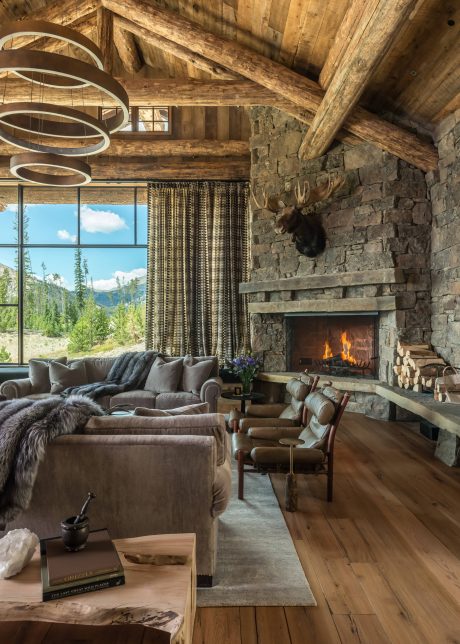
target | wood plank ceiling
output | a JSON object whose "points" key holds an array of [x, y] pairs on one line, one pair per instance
{"points": [[419, 77]]}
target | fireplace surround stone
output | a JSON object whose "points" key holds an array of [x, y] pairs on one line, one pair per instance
{"points": [[378, 224]]}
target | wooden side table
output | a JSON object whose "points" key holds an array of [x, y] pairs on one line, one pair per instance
{"points": [[291, 482], [161, 598]]}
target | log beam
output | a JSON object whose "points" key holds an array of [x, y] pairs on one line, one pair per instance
{"points": [[105, 37], [127, 50], [378, 25], [150, 168], [286, 83], [176, 49], [135, 145]]}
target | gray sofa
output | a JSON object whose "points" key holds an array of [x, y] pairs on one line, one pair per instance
{"points": [[97, 370], [151, 475]]}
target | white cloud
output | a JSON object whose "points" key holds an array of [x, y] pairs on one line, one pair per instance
{"points": [[100, 221], [66, 236], [123, 277], [58, 280]]}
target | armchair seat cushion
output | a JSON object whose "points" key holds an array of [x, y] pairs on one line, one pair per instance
{"points": [[266, 455], [246, 444]]}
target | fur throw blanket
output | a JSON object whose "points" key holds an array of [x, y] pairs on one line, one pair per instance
{"points": [[129, 371], [26, 427]]}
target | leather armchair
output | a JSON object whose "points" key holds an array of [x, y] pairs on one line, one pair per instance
{"points": [[259, 445], [276, 414]]}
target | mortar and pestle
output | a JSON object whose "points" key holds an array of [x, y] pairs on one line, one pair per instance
{"points": [[75, 530]]}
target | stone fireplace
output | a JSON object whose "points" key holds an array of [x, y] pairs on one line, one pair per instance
{"points": [[375, 270], [334, 345]]}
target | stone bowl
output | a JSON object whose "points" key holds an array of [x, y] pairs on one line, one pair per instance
{"points": [[75, 535]]}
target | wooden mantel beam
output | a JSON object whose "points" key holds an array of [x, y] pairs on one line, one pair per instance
{"points": [[377, 27], [137, 144], [288, 84]]}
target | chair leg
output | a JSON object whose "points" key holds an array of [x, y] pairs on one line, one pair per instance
{"points": [[330, 478], [241, 474]]}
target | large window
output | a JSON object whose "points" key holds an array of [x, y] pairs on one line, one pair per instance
{"points": [[72, 271], [144, 119]]}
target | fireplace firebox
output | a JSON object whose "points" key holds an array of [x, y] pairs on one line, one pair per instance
{"points": [[333, 344]]}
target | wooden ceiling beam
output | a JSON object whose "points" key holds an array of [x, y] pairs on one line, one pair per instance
{"points": [[288, 84], [150, 167], [104, 20], [176, 49], [378, 25], [63, 12], [341, 41], [135, 145], [127, 50]]}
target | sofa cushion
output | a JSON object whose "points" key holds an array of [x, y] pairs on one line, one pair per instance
{"points": [[63, 376], [98, 368], [136, 397], [175, 399], [190, 410], [196, 425], [195, 373], [164, 376], [39, 373]]}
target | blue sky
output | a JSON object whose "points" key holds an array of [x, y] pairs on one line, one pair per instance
{"points": [[100, 225]]}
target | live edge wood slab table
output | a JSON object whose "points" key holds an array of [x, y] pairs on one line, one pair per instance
{"points": [[161, 598]]}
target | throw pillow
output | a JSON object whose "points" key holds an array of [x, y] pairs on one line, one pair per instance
{"points": [[39, 373], [195, 374], [186, 410], [63, 376], [164, 376]]}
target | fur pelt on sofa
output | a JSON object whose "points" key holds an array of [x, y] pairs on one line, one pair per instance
{"points": [[129, 371], [26, 427]]}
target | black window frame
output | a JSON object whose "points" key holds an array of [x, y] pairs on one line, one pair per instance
{"points": [[20, 246]]}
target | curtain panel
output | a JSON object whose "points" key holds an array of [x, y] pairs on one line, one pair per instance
{"points": [[198, 253]]}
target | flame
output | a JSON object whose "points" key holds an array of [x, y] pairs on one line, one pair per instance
{"points": [[346, 346], [327, 351]]}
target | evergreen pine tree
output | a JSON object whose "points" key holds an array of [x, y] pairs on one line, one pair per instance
{"points": [[79, 281]]}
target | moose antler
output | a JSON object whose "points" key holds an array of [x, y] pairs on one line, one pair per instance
{"points": [[308, 195], [270, 202]]}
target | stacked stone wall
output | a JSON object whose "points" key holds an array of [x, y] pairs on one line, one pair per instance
{"points": [[445, 242], [380, 218]]}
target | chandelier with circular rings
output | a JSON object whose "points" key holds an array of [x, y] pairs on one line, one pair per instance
{"points": [[46, 69], [21, 166], [33, 28], [82, 126]]}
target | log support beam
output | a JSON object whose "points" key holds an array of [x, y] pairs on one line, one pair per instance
{"points": [[288, 84], [105, 37], [127, 50], [377, 27]]}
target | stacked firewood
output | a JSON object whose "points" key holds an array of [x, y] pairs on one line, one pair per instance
{"points": [[417, 367]]}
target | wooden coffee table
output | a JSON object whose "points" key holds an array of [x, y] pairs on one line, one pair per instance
{"points": [[161, 598]]}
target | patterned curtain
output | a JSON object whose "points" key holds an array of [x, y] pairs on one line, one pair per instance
{"points": [[198, 253]]}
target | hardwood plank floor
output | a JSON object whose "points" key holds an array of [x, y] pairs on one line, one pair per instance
{"points": [[382, 559]]}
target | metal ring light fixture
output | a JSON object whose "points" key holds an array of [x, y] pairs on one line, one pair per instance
{"points": [[21, 164], [83, 126], [65, 66], [42, 28]]}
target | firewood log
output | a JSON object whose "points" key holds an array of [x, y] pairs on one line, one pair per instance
{"points": [[402, 347], [416, 363], [417, 388], [419, 353], [398, 361]]}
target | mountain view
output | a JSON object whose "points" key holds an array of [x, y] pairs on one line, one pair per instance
{"points": [[77, 301]]}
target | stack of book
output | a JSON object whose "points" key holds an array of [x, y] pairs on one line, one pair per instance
{"points": [[66, 573]]}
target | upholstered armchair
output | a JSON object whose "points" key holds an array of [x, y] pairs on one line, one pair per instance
{"points": [[259, 446], [276, 414]]}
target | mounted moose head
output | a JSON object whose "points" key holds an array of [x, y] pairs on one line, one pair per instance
{"points": [[307, 231]]}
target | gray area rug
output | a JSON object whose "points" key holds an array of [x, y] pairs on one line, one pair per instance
{"points": [[257, 563]]}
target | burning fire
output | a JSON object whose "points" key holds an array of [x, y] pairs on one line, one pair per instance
{"points": [[346, 346], [327, 351], [345, 354]]}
